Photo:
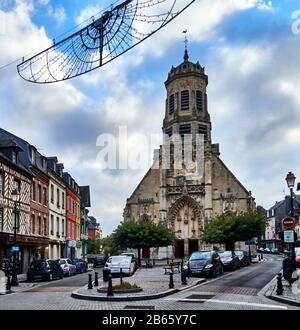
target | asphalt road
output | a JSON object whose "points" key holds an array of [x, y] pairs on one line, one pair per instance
{"points": [[255, 276], [77, 280]]}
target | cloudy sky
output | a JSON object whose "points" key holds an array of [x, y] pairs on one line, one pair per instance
{"points": [[250, 49]]}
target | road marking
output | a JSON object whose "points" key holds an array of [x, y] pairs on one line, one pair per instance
{"points": [[228, 302]]}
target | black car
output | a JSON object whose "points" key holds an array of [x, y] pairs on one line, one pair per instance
{"points": [[99, 260], [243, 257], [45, 270], [204, 263], [230, 260]]}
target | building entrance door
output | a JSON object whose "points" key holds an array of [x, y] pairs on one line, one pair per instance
{"points": [[146, 253], [179, 248], [193, 245]]}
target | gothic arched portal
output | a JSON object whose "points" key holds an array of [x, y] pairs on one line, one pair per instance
{"points": [[185, 216]]}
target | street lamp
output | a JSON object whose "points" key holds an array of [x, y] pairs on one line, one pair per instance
{"points": [[290, 180], [16, 199]]}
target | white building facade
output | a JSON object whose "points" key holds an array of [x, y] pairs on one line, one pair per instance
{"points": [[57, 210]]}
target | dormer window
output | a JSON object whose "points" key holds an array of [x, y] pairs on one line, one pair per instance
{"points": [[14, 157], [43, 163], [33, 155], [185, 100]]}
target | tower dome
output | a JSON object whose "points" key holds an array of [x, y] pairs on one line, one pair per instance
{"points": [[186, 102]]}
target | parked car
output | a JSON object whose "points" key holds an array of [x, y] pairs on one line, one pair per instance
{"points": [[99, 260], [45, 270], [205, 263], [230, 260], [275, 251], [129, 254], [298, 258], [267, 250], [243, 257], [115, 263], [67, 266], [81, 265]]}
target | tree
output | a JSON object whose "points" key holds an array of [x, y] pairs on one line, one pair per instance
{"points": [[143, 234], [109, 245], [228, 229], [94, 246]]}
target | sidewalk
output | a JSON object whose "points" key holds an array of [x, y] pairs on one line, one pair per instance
{"points": [[23, 285], [152, 280], [290, 295]]}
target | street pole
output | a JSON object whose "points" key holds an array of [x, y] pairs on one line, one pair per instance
{"points": [[14, 278], [293, 256]]}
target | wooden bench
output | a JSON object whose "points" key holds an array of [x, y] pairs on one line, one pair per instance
{"points": [[173, 267]]}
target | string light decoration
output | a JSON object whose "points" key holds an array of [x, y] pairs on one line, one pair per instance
{"points": [[115, 32]]}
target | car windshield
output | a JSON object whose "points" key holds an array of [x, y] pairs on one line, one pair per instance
{"points": [[38, 265], [117, 259], [62, 262], [239, 253], [200, 256], [225, 254]]}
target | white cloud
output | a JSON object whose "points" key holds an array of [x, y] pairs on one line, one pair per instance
{"points": [[87, 13], [58, 13]]}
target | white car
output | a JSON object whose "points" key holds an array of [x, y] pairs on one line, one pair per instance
{"points": [[116, 263]]}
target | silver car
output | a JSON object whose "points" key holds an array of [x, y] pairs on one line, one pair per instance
{"points": [[67, 266]]}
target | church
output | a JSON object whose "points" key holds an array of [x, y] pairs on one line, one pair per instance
{"points": [[187, 197]]}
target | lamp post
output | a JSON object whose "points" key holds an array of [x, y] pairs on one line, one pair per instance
{"points": [[14, 278], [290, 180]]}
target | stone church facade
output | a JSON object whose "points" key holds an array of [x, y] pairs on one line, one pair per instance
{"points": [[187, 197]]}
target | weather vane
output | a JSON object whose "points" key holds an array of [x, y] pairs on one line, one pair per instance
{"points": [[116, 31], [185, 38]]}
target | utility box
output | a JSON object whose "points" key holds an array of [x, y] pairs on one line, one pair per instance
{"points": [[288, 267]]}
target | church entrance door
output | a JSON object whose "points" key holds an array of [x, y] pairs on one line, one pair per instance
{"points": [[193, 245], [179, 248]]}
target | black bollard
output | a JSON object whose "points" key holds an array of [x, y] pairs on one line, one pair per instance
{"points": [[8, 286], [171, 282], [279, 290], [110, 291], [96, 283], [183, 276], [105, 274], [90, 284], [121, 276]]}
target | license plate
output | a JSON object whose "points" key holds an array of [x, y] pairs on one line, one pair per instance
{"points": [[196, 270]]}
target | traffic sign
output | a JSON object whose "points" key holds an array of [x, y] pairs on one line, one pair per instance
{"points": [[289, 236], [15, 248], [288, 223]]}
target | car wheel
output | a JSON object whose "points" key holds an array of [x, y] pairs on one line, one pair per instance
{"points": [[238, 266], [29, 279], [61, 276]]}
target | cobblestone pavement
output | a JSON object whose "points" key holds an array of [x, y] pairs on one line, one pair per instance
{"points": [[239, 290]]}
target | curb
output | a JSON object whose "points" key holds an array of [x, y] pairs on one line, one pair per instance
{"points": [[275, 297], [77, 295], [286, 301]]}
